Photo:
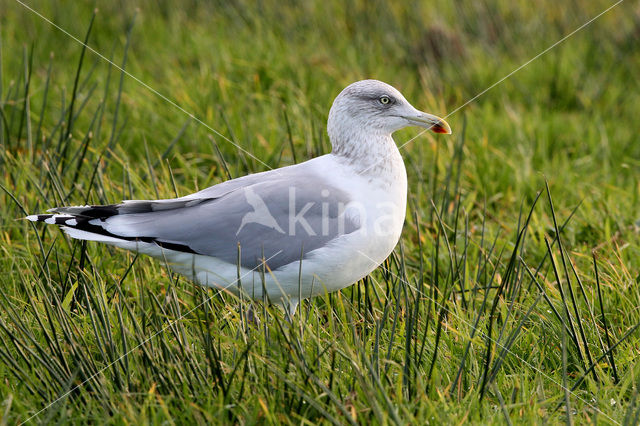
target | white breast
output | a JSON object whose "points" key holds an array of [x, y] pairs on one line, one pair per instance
{"points": [[379, 206]]}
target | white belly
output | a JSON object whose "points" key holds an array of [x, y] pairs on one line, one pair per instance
{"points": [[341, 263]]}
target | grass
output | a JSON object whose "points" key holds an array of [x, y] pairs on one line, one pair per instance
{"points": [[512, 296]]}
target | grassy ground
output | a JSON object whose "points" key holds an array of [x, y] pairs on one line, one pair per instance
{"points": [[506, 301]]}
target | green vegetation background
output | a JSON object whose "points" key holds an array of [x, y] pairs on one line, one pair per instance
{"points": [[491, 309]]}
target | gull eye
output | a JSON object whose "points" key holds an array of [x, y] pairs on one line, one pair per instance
{"points": [[384, 100]]}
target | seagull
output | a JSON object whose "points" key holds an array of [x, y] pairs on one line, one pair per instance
{"points": [[285, 234]]}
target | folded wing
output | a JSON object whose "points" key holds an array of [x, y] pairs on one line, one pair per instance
{"points": [[273, 216]]}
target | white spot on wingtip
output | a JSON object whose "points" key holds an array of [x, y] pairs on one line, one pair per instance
{"points": [[32, 217], [71, 222], [51, 220]]}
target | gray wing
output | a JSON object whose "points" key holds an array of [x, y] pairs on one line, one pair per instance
{"points": [[281, 217]]}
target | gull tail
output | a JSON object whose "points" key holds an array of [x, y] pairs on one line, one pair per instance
{"points": [[83, 222], [95, 223]]}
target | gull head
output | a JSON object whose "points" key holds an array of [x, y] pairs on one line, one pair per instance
{"points": [[368, 109]]}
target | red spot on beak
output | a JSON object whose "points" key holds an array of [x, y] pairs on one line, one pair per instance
{"points": [[440, 128]]}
